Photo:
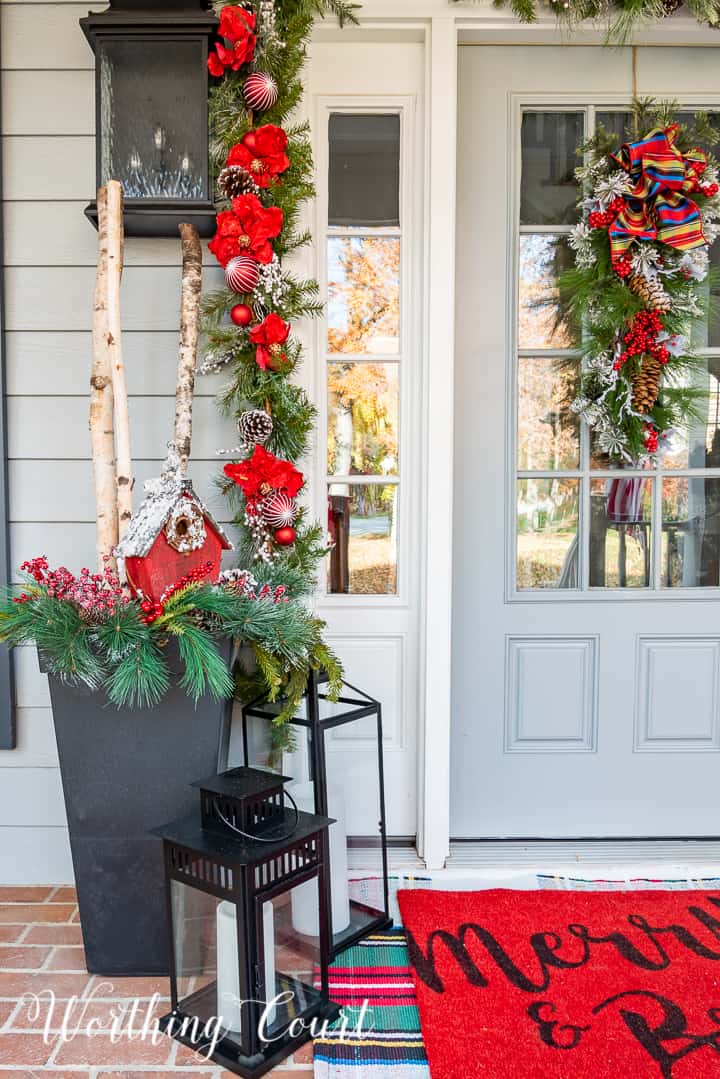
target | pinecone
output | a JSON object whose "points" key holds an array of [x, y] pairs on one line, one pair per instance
{"points": [[651, 290], [234, 180], [646, 384], [255, 427]]}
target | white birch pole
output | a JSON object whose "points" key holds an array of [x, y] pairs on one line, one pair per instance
{"points": [[189, 333], [114, 338], [102, 438]]}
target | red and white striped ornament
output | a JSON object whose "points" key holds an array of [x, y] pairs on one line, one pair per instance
{"points": [[241, 274], [261, 91], [279, 510]]}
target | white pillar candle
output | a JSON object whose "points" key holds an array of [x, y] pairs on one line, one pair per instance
{"points": [[305, 914], [228, 974]]}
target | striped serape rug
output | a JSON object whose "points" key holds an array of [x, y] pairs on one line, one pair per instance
{"points": [[383, 1036], [389, 1044]]}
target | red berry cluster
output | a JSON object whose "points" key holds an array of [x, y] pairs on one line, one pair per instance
{"points": [[651, 438], [94, 595], [603, 219], [709, 189], [622, 266], [641, 339], [152, 609]]}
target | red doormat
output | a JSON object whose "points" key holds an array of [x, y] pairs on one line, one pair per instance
{"points": [[567, 985]]}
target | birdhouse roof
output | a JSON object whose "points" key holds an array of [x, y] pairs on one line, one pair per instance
{"points": [[161, 498]]}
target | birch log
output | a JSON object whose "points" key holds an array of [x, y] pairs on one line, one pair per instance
{"points": [[102, 439], [189, 332], [123, 467]]}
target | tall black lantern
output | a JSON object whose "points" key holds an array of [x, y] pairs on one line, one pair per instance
{"points": [[325, 727], [151, 111], [249, 923]]}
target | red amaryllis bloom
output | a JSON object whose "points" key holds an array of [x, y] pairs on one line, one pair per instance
{"points": [[262, 153], [270, 335], [262, 473], [236, 27], [246, 229]]}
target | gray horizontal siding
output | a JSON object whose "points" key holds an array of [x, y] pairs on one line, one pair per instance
{"points": [[49, 257]]}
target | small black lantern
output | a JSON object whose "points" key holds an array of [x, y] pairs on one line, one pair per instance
{"points": [[247, 986], [151, 111], [358, 908]]}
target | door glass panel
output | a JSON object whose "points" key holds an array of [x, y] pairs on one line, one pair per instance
{"points": [[362, 521], [618, 124], [364, 170], [547, 523], [362, 419], [548, 432], [620, 532], [698, 444], [548, 192], [543, 258], [691, 532], [364, 295]]}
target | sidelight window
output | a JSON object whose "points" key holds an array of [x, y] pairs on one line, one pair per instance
{"points": [[364, 351]]}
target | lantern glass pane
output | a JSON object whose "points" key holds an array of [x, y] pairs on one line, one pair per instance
{"points": [[207, 966], [353, 801], [153, 117], [289, 948]]}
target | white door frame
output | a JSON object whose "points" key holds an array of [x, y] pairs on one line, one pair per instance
{"points": [[442, 26]]}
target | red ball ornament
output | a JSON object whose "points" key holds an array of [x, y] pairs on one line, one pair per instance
{"points": [[285, 536], [241, 314], [241, 274], [260, 91]]}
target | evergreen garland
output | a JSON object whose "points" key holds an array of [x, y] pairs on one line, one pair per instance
{"points": [[277, 48], [634, 296], [622, 17]]}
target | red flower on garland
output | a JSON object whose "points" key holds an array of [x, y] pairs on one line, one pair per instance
{"points": [[262, 153], [236, 27], [270, 335], [262, 473], [246, 229]]}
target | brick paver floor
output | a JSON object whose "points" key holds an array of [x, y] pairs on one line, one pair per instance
{"points": [[40, 951]]}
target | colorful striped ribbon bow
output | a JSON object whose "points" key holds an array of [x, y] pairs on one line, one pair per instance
{"points": [[657, 206]]}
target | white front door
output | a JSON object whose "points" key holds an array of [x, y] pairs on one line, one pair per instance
{"points": [[586, 684]]}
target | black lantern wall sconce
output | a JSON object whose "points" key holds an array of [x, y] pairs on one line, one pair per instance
{"points": [[151, 111], [354, 912], [248, 977]]}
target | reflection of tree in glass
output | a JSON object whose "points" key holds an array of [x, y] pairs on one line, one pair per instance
{"points": [[363, 294], [362, 432], [542, 324], [547, 429]]}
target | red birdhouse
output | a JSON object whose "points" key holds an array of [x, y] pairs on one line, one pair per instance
{"points": [[171, 534]]}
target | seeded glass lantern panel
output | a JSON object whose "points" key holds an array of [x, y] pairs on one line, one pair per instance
{"points": [[151, 87], [323, 728], [249, 925]]}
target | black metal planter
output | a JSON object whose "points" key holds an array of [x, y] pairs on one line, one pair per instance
{"points": [[122, 771]]}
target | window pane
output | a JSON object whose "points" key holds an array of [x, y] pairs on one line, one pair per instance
{"points": [[548, 192], [547, 512], [691, 533], [362, 419], [698, 444], [620, 532], [364, 171], [362, 521], [364, 295], [548, 432], [542, 260], [618, 124]]}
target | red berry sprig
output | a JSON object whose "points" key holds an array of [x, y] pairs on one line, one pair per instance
{"points": [[651, 438], [642, 339], [152, 609], [622, 266]]}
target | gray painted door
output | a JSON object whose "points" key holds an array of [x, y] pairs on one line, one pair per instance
{"points": [[586, 645]]}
